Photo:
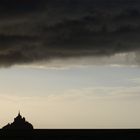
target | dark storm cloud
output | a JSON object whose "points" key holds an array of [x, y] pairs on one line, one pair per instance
{"points": [[35, 30], [21, 5]]}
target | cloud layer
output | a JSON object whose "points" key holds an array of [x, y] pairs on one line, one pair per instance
{"points": [[40, 30]]}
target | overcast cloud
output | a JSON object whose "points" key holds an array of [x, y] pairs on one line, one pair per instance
{"points": [[40, 30]]}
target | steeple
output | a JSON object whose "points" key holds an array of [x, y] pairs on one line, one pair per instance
{"points": [[19, 113], [19, 117]]}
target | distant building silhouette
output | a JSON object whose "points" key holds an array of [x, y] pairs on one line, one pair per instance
{"points": [[19, 123]]}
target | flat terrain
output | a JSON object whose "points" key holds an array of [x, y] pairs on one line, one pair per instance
{"points": [[70, 134]]}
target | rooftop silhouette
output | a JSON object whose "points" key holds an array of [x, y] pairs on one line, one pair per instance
{"points": [[19, 123]]}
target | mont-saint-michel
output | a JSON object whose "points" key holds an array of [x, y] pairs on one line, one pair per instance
{"points": [[19, 123]]}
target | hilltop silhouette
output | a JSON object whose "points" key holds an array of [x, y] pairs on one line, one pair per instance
{"points": [[19, 123]]}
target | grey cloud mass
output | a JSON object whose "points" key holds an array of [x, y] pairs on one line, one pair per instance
{"points": [[42, 30]]}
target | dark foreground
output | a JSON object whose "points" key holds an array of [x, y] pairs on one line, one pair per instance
{"points": [[70, 134]]}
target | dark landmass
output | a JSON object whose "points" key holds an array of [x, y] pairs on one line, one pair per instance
{"points": [[70, 134], [19, 123], [20, 129]]}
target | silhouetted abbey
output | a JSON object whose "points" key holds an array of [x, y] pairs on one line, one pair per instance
{"points": [[19, 123]]}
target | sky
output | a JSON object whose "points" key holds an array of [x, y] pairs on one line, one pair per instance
{"points": [[70, 63], [82, 97]]}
